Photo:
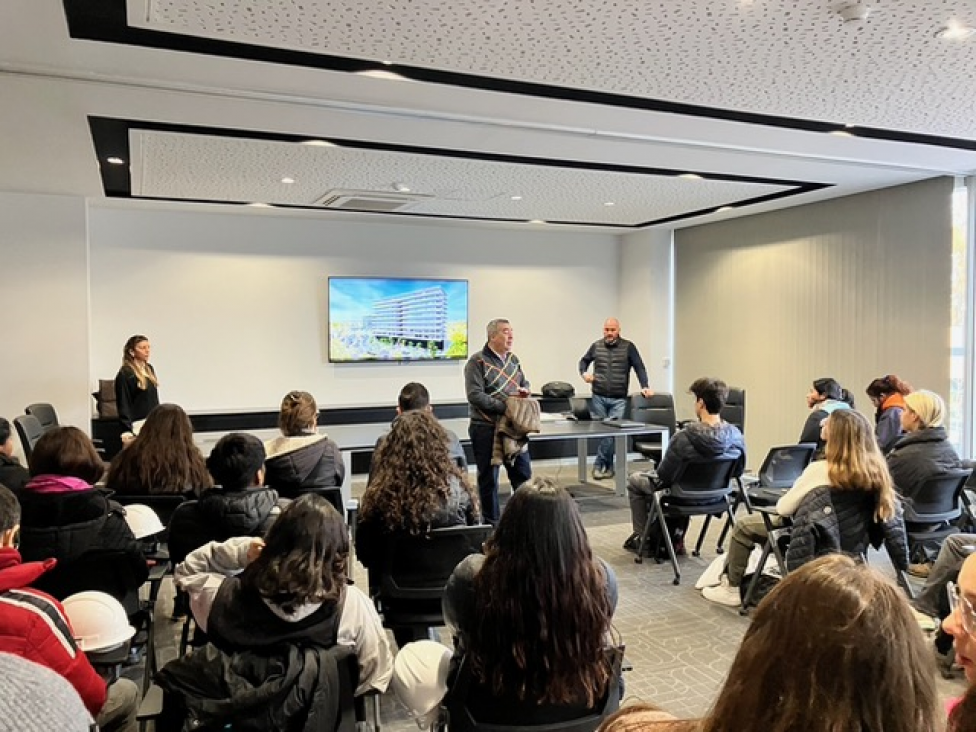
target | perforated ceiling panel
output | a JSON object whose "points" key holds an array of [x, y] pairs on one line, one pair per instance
{"points": [[796, 58], [200, 167]]}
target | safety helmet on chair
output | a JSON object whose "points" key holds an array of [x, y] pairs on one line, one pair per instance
{"points": [[142, 520], [98, 620]]}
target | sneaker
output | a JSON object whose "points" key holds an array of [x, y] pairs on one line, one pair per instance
{"points": [[723, 593], [633, 541], [919, 570], [599, 473]]}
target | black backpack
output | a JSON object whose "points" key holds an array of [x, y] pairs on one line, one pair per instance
{"points": [[558, 389]]}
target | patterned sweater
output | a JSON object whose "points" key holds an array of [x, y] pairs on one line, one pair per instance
{"points": [[488, 380]]}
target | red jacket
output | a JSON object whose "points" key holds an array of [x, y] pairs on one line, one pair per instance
{"points": [[33, 626]]}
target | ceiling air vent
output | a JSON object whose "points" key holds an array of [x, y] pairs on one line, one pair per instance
{"points": [[378, 201]]}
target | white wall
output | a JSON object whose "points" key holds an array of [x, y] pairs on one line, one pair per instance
{"points": [[44, 262], [646, 303], [234, 303]]}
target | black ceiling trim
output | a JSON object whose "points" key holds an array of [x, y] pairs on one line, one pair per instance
{"points": [[106, 21], [110, 137]]}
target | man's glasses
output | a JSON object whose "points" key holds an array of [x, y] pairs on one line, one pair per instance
{"points": [[959, 603]]}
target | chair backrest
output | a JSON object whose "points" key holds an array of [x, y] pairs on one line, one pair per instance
{"points": [[44, 413], [734, 411], [784, 464], [704, 481], [106, 571], [29, 430], [655, 409], [418, 567], [938, 498], [456, 707]]}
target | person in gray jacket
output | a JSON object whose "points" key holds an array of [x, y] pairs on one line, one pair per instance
{"points": [[414, 397], [710, 438]]}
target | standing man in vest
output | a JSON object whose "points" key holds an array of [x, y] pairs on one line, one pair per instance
{"points": [[612, 357], [491, 376]]}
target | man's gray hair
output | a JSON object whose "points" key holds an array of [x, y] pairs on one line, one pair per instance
{"points": [[496, 325]]}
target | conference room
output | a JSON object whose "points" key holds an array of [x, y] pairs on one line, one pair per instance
{"points": [[763, 193]]}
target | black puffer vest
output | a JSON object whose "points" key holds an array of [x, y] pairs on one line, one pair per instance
{"points": [[611, 366]]}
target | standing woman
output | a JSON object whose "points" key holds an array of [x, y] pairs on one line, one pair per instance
{"points": [[135, 385], [887, 394], [825, 396]]}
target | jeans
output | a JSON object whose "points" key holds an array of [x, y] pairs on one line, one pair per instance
{"points": [[932, 600], [482, 442], [601, 407]]}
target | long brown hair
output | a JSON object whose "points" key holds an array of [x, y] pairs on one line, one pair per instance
{"points": [[144, 374], [854, 461], [162, 459], [544, 610], [412, 475], [67, 452], [833, 647], [304, 557]]}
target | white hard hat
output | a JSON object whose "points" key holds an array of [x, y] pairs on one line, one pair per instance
{"points": [[142, 520], [98, 620]]}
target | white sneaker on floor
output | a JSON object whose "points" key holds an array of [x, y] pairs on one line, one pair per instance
{"points": [[712, 576], [723, 593]]}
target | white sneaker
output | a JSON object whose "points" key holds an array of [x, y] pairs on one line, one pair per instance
{"points": [[723, 593]]}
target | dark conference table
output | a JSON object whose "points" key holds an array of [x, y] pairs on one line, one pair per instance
{"points": [[353, 438]]}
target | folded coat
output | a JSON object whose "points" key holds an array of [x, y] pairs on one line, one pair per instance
{"points": [[512, 430]]}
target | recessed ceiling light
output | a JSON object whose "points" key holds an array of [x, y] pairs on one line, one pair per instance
{"points": [[690, 176], [401, 187], [115, 161], [387, 63], [287, 181], [382, 74], [319, 143], [536, 221], [956, 31], [609, 203], [516, 198], [720, 209], [259, 204], [841, 133]]}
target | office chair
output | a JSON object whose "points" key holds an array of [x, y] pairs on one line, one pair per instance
{"points": [[655, 409], [45, 414], [931, 513], [29, 430]]}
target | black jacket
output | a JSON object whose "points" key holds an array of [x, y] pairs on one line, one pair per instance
{"points": [[13, 475], [310, 468], [918, 456], [88, 535], [219, 515], [698, 443], [134, 403], [611, 367], [833, 521]]}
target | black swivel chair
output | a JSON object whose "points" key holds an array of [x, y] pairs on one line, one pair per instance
{"points": [[457, 715], [655, 409], [700, 489], [29, 430], [409, 585], [45, 414], [930, 515], [734, 411]]}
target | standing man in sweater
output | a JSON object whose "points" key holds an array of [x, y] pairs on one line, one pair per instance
{"points": [[491, 376], [612, 357]]}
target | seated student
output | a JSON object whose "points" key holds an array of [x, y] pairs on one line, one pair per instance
{"points": [[302, 460], [414, 397], [887, 394], [33, 625], [710, 438], [12, 473], [162, 459], [238, 505], [414, 486], [258, 596], [535, 657], [853, 463], [825, 396], [64, 517], [832, 647]]}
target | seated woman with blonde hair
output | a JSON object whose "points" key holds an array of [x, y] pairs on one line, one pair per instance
{"points": [[833, 647]]}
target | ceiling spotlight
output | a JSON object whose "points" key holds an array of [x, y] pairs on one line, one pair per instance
{"points": [[287, 181], [536, 221], [841, 133], [382, 74], [690, 176], [259, 204], [609, 203], [956, 31], [115, 161], [401, 187], [722, 209], [319, 143], [516, 198], [854, 13]]}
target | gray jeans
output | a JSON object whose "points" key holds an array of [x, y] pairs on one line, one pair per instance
{"points": [[953, 553], [119, 712]]}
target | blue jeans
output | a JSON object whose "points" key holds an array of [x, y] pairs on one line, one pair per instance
{"points": [[600, 408], [482, 441]]}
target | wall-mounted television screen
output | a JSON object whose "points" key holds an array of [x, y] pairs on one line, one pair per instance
{"points": [[397, 319]]}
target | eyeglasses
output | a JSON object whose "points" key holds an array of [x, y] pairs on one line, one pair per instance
{"points": [[967, 613]]}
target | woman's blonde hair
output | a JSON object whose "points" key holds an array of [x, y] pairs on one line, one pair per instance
{"points": [[298, 414], [144, 373], [855, 462]]}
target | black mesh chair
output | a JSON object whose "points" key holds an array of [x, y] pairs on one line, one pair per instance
{"points": [[779, 471], [655, 409], [29, 430], [700, 489], [45, 414], [409, 584], [469, 706], [734, 411], [930, 514]]}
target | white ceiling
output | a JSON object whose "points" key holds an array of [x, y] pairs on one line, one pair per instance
{"points": [[569, 104]]}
